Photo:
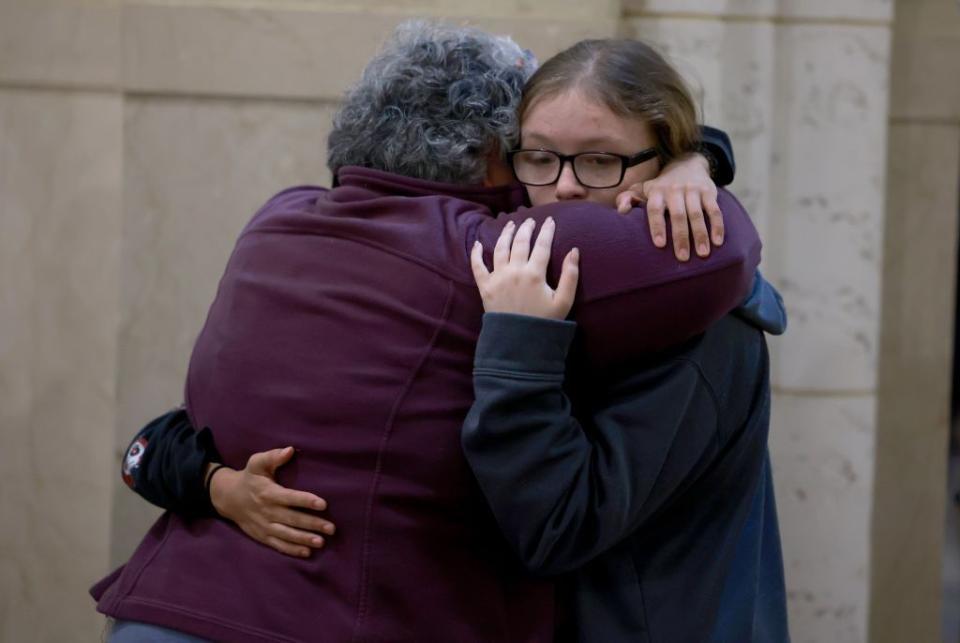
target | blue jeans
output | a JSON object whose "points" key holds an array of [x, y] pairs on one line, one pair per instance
{"points": [[136, 632]]}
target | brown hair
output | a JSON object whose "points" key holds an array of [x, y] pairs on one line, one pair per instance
{"points": [[632, 79]]}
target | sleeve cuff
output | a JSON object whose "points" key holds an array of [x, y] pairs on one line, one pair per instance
{"points": [[719, 145], [510, 342]]}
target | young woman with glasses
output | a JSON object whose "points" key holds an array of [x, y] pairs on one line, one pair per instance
{"points": [[660, 508]]}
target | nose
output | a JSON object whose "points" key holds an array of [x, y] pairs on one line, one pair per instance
{"points": [[568, 187]]}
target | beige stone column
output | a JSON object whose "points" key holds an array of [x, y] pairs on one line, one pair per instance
{"points": [[919, 286], [60, 177], [802, 89]]}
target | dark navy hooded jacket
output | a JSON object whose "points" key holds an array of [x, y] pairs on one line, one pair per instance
{"points": [[658, 505]]}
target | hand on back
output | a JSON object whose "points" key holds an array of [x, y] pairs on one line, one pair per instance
{"points": [[271, 514], [684, 189], [518, 282]]}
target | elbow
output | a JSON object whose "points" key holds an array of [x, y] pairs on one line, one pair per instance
{"points": [[742, 241]]}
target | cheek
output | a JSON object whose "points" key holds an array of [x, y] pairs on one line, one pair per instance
{"points": [[542, 195], [641, 173], [605, 197]]}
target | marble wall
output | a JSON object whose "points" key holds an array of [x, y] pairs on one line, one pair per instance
{"points": [[137, 137]]}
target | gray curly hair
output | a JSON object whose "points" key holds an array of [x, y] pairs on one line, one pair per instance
{"points": [[433, 104]]}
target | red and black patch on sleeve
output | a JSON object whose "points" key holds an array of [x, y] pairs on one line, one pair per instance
{"points": [[131, 461]]}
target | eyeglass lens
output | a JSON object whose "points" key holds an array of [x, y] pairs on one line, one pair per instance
{"points": [[542, 167]]}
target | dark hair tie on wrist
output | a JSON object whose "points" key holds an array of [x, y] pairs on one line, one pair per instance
{"points": [[206, 483]]}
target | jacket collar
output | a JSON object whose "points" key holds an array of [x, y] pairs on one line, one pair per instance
{"points": [[498, 199]]}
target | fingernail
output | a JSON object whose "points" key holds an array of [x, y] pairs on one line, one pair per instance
{"points": [[659, 240], [684, 255], [319, 505], [549, 220], [329, 529], [702, 249], [317, 542]]}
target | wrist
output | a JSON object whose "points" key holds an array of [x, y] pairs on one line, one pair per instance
{"points": [[513, 342], [216, 482], [704, 156], [208, 469]]}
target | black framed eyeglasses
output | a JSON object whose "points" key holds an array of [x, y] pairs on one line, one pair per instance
{"points": [[596, 170]]}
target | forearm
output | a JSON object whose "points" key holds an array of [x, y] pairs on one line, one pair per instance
{"points": [[634, 298], [178, 469], [518, 415], [171, 470], [560, 497]]}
